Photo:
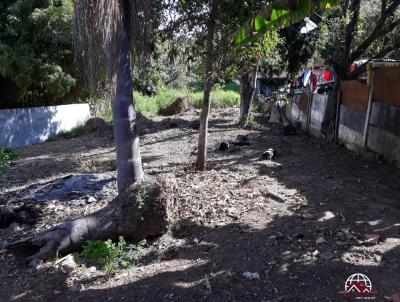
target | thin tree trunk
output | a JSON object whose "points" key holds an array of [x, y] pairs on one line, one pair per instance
{"points": [[208, 69], [248, 83], [129, 164]]}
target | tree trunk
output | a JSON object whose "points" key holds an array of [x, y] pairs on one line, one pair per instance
{"points": [[129, 164], [208, 70], [248, 82], [144, 210]]}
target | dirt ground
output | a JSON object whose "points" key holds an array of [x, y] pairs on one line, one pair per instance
{"points": [[303, 222]]}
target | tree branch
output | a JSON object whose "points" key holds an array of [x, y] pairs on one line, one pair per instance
{"points": [[363, 67], [355, 9], [379, 30]]}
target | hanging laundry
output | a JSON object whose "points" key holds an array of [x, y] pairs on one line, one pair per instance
{"points": [[327, 75], [306, 78]]}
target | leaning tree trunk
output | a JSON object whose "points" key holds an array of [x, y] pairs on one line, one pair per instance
{"points": [[248, 83], [144, 210], [129, 164], [208, 68]]}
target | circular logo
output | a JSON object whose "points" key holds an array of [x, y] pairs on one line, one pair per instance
{"points": [[358, 284]]}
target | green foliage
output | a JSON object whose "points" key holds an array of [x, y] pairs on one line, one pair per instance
{"points": [[73, 133], [276, 16], [36, 49], [6, 155], [109, 255]]}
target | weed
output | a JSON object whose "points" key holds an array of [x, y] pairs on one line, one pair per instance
{"points": [[109, 255], [6, 155]]}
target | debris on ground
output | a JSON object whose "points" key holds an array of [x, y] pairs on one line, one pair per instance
{"points": [[251, 276]]}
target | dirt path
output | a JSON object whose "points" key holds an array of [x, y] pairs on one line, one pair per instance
{"points": [[301, 221]]}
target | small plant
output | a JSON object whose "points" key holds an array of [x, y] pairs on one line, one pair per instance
{"points": [[6, 155], [110, 256]]}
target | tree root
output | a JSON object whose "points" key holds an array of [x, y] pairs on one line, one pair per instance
{"points": [[144, 210]]}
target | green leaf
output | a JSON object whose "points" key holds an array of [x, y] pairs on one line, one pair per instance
{"points": [[281, 17], [259, 23]]}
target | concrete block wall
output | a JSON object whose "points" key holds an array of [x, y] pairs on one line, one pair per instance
{"points": [[384, 131], [351, 127], [298, 112], [26, 126]]}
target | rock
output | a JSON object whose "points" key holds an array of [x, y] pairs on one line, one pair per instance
{"points": [[177, 106], [371, 239], [91, 199], [67, 264], [14, 227], [233, 213], [269, 154], [224, 146], [169, 254], [78, 287], [92, 269], [36, 264], [320, 240], [95, 124], [328, 215], [251, 276]]}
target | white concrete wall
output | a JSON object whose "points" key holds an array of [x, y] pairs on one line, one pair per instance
{"points": [[26, 126]]}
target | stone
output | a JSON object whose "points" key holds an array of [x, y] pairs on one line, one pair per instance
{"points": [[68, 264], [320, 240], [328, 215], [177, 106], [251, 276]]}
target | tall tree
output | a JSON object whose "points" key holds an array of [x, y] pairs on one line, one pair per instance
{"points": [[107, 33]]}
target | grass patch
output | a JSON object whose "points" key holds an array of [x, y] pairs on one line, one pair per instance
{"points": [[74, 132], [110, 256], [6, 155], [221, 97], [226, 96]]}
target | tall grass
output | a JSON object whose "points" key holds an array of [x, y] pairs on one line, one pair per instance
{"points": [[221, 97]]}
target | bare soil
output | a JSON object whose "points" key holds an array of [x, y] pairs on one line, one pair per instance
{"points": [[304, 221]]}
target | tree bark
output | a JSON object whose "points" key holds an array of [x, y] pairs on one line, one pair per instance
{"points": [[208, 70], [248, 83], [144, 210], [129, 164]]}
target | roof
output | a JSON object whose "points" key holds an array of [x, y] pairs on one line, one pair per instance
{"points": [[384, 63]]}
